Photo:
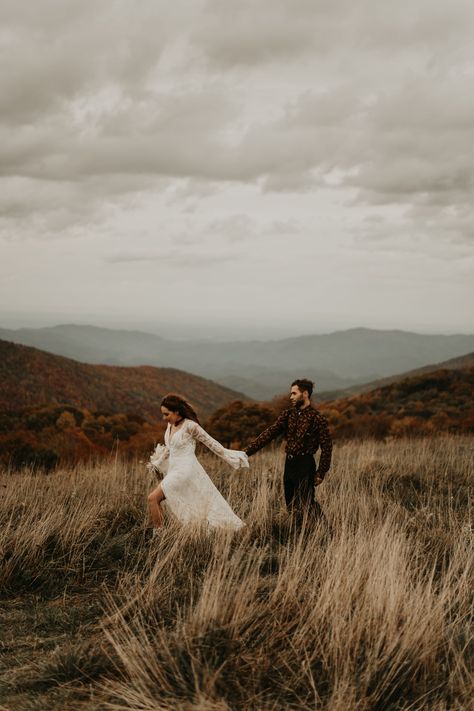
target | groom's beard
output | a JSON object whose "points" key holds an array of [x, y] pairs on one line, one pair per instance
{"points": [[299, 403]]}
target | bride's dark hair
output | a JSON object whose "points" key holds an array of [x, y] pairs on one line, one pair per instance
{"points": [[178, 404]]}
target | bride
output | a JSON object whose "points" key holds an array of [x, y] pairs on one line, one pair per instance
{"points": [[187, 489]]}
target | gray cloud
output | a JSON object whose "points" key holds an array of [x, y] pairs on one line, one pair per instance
{"points": [[189, 259], [280, 31], [235, 228], [84, 99], [198, 128], [57, 51], [255, 32]]}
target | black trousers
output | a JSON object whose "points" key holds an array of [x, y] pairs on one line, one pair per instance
{"points": [[298, 483]]}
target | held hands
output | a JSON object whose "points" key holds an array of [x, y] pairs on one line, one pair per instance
{"points": [[317, 480], [244, 461]]}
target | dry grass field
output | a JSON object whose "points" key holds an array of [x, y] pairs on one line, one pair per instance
{"points": [[368, 611]]}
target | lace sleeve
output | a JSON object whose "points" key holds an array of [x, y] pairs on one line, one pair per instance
{"points": [[232, 456]]}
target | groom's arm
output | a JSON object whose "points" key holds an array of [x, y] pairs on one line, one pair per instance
{"points": [[278, 427], [325, 443]]}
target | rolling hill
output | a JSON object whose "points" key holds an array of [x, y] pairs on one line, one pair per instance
{"points": [[30, 377], [428, 403], [460, 363]]}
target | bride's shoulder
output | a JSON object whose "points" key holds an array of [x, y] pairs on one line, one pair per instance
{"points": [[192, 427]]}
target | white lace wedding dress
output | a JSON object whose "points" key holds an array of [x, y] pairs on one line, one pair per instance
{"points": [[190, 493]]}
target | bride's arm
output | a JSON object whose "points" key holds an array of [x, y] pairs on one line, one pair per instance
{"points": [[234, 457]]}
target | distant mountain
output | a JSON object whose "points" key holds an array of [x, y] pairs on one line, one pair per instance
{"points": [[90, 344], [265, 383], [31, 377], [259, 368], [461, 363]]}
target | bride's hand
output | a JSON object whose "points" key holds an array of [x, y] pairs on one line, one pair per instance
{"points": [[244, 462]]}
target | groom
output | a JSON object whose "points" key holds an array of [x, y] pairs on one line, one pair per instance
{"points": [[305, 430]]}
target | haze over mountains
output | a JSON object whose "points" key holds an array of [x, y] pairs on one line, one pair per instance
{"points": [[260, 369]]}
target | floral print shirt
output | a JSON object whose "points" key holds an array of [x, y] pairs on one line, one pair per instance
{"points": [[305, 430]]}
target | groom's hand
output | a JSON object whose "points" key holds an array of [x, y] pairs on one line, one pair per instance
{"points": [[317, 480]]}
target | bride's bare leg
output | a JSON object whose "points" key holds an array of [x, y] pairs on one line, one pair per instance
{"points": [[154, 501]]}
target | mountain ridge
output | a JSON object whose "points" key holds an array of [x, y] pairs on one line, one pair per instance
{"points": [[335, 360]]}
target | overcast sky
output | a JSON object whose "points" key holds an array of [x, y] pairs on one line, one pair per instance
{"points": [[261, 167]]}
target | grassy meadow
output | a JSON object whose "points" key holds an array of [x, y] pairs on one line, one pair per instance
{"points": [[371, 610]]}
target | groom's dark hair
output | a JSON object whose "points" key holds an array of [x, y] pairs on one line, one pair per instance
{"points": [[304, 384]]}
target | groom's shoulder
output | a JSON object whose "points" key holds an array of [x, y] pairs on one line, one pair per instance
{"points": [[317, 414]]}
